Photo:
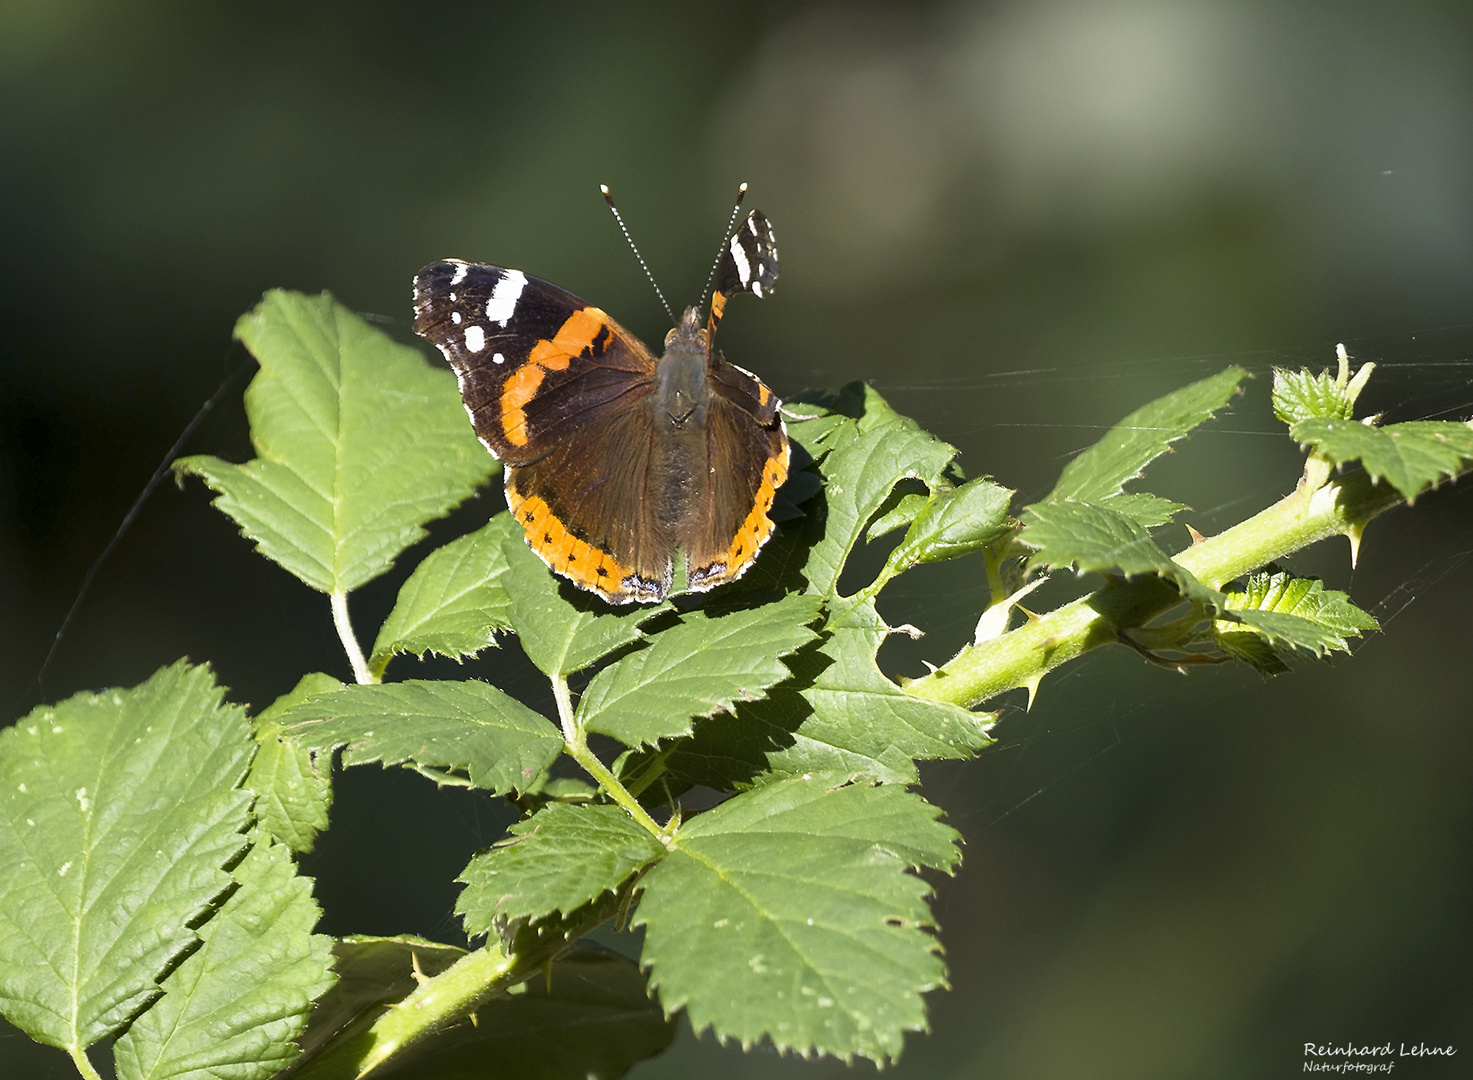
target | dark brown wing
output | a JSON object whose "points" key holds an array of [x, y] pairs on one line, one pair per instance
{"points": [[587, 510], [535, 362], [747, 447]]}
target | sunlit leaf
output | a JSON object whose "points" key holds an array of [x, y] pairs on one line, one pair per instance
{"points": [[359, 442], [557, 860], [469, 727], [118, 811], [232, 1009], [788, 913], [1411, 457], [454, 602]]}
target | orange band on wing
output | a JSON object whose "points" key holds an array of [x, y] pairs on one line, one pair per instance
{"points": [[575, 559], [752, 534], [579, 333], [758, 526]]}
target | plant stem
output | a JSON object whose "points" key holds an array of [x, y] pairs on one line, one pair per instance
{"points": [[344, 625], [433, 1004], [575, 743], [1021, 657], [83, 1064], [472, 981]]}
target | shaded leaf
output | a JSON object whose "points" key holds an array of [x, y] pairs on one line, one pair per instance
{"points": [[590, 1017], [1097, 538], [117, 812], [454, 602], [699, 666], [469, 727], [1252, 649], [232, 1009], [805, 892], [557, 860], [293, 788], [359, 442], [1412, 457]]}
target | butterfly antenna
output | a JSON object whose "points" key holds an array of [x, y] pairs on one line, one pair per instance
{"points": [[721, 248], [609, 198]]}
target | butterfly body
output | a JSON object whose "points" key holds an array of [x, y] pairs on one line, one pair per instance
{"points": [[618, 462]]}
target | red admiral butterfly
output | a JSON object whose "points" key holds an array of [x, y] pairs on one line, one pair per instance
{"points": [[617, 462]]}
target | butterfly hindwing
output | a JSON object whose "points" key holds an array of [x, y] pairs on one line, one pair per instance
{"points": [[748, 451]]}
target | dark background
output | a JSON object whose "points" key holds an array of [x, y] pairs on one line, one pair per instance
{"points": [[1019, 221]]}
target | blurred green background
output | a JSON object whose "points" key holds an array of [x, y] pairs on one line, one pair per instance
{"points": [[1019, 221]]}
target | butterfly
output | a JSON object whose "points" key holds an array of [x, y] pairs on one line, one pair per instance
{"points": [[620, 465]]}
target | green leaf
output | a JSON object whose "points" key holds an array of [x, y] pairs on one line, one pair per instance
{"points": [[470, 727], [1412, 457], [561, 629], [117, 812], [1099, 474], [1100, 539], [865, 459], [1301, 395], [293, 788], [590, 1017], [788, 913], [1252, 649], [557, 860], [954, 522], [1298, 612], [359, 443], [232, 1009], [814, 419], [841, 715], [699, 666], [902, 514], [454, 602], [372, 974], [1145, 509]]}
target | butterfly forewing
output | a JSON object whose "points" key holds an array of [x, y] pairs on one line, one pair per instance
{"points": [[534, 361]]}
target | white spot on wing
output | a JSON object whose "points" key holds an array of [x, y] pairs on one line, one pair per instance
{"points": [[498, 358], [460, 272], [455, 317], [475, 338], [744, 268], [503, 302]]}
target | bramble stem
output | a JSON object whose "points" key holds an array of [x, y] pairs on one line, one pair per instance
{"points": [[434, 1003], [344, 626], [472, 981], [1342, 507]]}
